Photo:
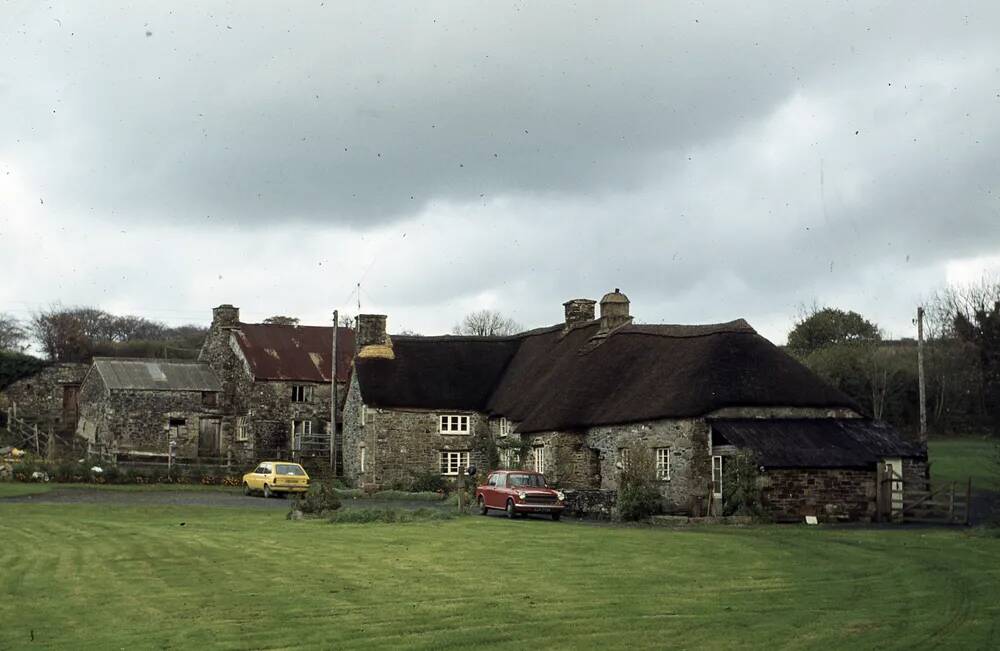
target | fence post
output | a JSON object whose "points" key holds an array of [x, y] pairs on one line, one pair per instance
{"points": [[968, 502], [37, 450], [951, 503]]}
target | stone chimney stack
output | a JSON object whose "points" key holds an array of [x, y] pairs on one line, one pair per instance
{"points": [[614, 311], [371, 330], [578, 310], [225, 316]]}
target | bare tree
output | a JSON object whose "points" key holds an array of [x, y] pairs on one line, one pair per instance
{"points": [[13, 335], [487, 323]]}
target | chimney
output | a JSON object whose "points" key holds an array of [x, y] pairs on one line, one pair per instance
{"points": [[225, 316], [371, 330], [614, 311], [578, 310]]}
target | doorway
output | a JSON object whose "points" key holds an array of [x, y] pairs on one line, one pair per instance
{"points": [[208, 437]]}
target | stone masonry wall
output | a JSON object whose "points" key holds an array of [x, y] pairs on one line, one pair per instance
{"points": [[39, 397], [830, 494]]}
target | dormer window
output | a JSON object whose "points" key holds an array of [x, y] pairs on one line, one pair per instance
{"points": [[453, 424]]}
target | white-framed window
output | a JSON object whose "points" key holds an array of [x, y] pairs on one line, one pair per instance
{"points": [[717, 477], [364, 414], [302, 393], [451, 462], [300, 429], [538, 458], [623, 458], [242, 429], [505, 427], [663, 464], [451, 424], [362, 460], [507, 458]]}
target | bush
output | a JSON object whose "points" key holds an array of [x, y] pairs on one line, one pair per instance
{"points": [[366, 516], [638, 497], [321, 499], [741, 493], [428, 481]]}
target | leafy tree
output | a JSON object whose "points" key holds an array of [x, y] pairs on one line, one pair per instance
{"points": [[14, 366], [982, 330], [487, 323], [13, 335], [830, 326], [281, 320]]}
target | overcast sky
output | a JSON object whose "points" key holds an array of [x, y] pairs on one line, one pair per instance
{"points": [[712, 160]]}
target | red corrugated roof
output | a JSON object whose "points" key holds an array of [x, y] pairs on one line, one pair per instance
{"points": [[285, 352]]}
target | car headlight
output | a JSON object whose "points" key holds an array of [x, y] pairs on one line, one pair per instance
{"points": [[561, 495], [521, 494]]}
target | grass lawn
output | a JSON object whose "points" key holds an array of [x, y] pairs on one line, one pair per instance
{"points": [[959, 458], [88, 576], [16, 489]]}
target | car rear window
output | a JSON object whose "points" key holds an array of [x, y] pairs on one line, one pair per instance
{"points": [[289, 469]]}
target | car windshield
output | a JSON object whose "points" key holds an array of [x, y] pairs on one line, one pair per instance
{"points": [[534, 481], [289, 469]]}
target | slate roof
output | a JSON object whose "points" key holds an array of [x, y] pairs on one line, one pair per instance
{"points": [[816, 442], [550, 380], [286, 352], [156, 374]]}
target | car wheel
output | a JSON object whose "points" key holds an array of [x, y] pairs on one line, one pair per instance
{"points": [[511, 513], [246, 488], [556, 515], [267, 491], [482, 506]]}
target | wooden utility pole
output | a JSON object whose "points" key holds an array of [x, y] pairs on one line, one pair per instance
{"points": [[920, 375], [334, 398]]}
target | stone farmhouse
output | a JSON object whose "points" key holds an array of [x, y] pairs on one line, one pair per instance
{"points": [[575, 400], [276, 383], [143, 407], [48, 398]]}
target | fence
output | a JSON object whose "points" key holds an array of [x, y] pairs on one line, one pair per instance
{"points": [[921, 501]]}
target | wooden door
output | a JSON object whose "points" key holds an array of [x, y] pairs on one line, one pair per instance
{"points": [[208, 438], [70, 406]]}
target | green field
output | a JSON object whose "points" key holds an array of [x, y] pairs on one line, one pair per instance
{"points": [[960, 458], [90, 576], [15, 489]]}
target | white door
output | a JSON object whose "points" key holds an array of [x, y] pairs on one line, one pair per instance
{"points": [[717, 483]]}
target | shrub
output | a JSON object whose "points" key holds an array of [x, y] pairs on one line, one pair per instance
{"points": [[321, 499], [638, 497], [741, 494], [424, 496], [428, 481], [367, 516]]}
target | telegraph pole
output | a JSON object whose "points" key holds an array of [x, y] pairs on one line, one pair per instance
{"points": [[920, 374], [334, 398]]}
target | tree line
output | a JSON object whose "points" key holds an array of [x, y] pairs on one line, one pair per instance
{"points": [[961, 361]]}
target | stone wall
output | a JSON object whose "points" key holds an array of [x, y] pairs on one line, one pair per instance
{"points": [[597, 504], [401, 444], [831, 494], [39, 398]]}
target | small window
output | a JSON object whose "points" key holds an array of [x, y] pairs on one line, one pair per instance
{"points": [[538, 458], [623, 458], [209, 398], [663, 464], [242, 429], [452, 462], [508, 458], [363, 414], [504, 427], [302, 393], [453, 424], [717, 477], [362, 464]]}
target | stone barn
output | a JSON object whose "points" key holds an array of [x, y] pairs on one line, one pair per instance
{"points": [[48, 398], [276, 382], [577, 399], [140, 406]]}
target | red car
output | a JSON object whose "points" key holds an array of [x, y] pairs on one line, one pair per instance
{"points": [[519, 492]]}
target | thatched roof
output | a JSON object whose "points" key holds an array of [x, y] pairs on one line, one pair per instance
{"points": [[549, 379]]}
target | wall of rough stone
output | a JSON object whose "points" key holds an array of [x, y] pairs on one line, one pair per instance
{"points": [[39, 398], [831, 494], [400, 444]]}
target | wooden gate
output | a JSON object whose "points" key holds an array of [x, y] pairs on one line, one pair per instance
{"points": [[920, 501]]}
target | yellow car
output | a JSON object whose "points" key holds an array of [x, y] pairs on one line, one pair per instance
{"points": [[276, 478]]}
